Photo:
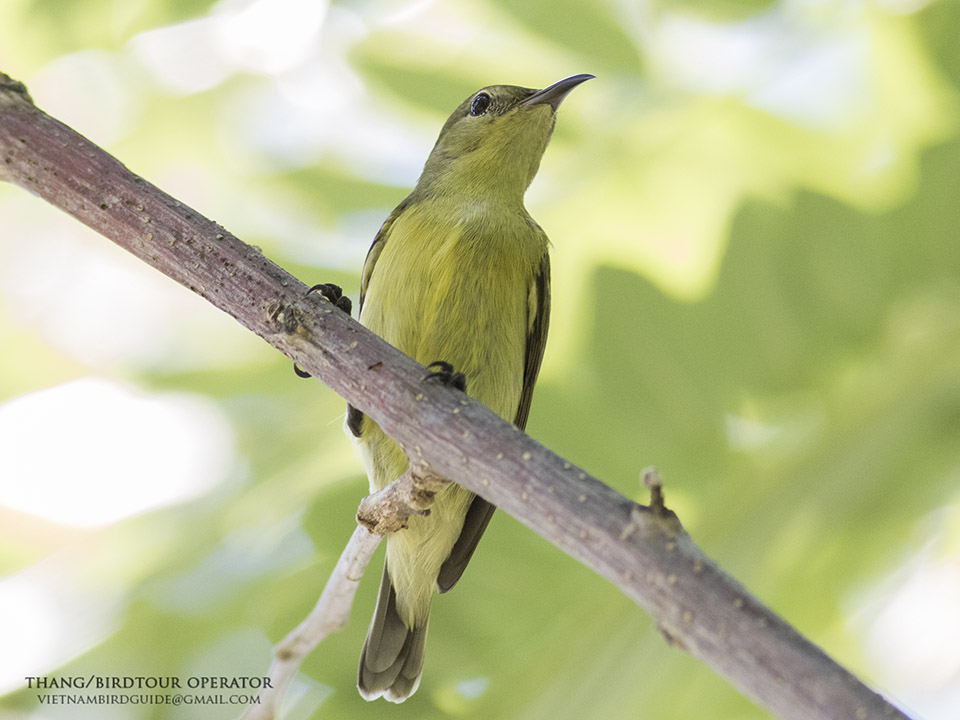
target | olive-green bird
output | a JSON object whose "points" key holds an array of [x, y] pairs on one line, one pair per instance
{"points": [[458, 273]]}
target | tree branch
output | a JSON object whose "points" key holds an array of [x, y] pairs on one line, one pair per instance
{"points": [[644, 552]]}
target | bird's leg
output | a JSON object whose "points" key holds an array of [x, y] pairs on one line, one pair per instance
{"points": [[445, 375], [335, 295]]}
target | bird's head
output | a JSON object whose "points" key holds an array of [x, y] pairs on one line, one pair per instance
{"points": [[493, 142]]}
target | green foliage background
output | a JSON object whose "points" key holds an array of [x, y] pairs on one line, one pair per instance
{"points": [[756, 292]]}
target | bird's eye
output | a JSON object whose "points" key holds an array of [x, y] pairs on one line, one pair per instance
{"points": [[480, 104]]}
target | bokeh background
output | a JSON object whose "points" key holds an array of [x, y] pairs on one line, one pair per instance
{"points": [[754, 210]]}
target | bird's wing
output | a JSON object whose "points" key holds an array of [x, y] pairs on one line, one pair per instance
{"points": [[354, 416], [373, 254], [480, 510], [539, 323]]}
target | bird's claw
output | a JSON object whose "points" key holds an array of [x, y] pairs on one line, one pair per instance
{"points": [[334, 294], [446, 375]]}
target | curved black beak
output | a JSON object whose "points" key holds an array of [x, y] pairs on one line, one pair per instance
{"points": [[555, 94]]}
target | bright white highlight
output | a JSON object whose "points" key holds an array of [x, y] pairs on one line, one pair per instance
{"points": [[91, 452], [263, 36]]}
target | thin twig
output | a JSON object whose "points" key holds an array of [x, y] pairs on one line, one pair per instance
{"points": [[382, 512], [388, 510], [331, 613]]}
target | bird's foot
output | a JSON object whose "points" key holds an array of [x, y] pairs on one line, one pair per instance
{"points": [[335, 295], [446, 375]]}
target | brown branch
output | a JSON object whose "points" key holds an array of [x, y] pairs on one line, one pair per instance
{"points": [[645, 553]]}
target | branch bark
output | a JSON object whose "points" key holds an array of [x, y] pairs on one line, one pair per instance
{"points": [[643, 551]]}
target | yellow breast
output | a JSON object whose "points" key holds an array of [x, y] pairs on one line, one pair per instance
{"points": [[457, 290]]}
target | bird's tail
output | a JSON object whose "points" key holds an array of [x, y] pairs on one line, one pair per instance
{"points": [[392, 658]]}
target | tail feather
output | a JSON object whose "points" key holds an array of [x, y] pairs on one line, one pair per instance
{"points": [[392, 658]]}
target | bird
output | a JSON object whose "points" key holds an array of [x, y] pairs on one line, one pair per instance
{"points": [[458, 276]]}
